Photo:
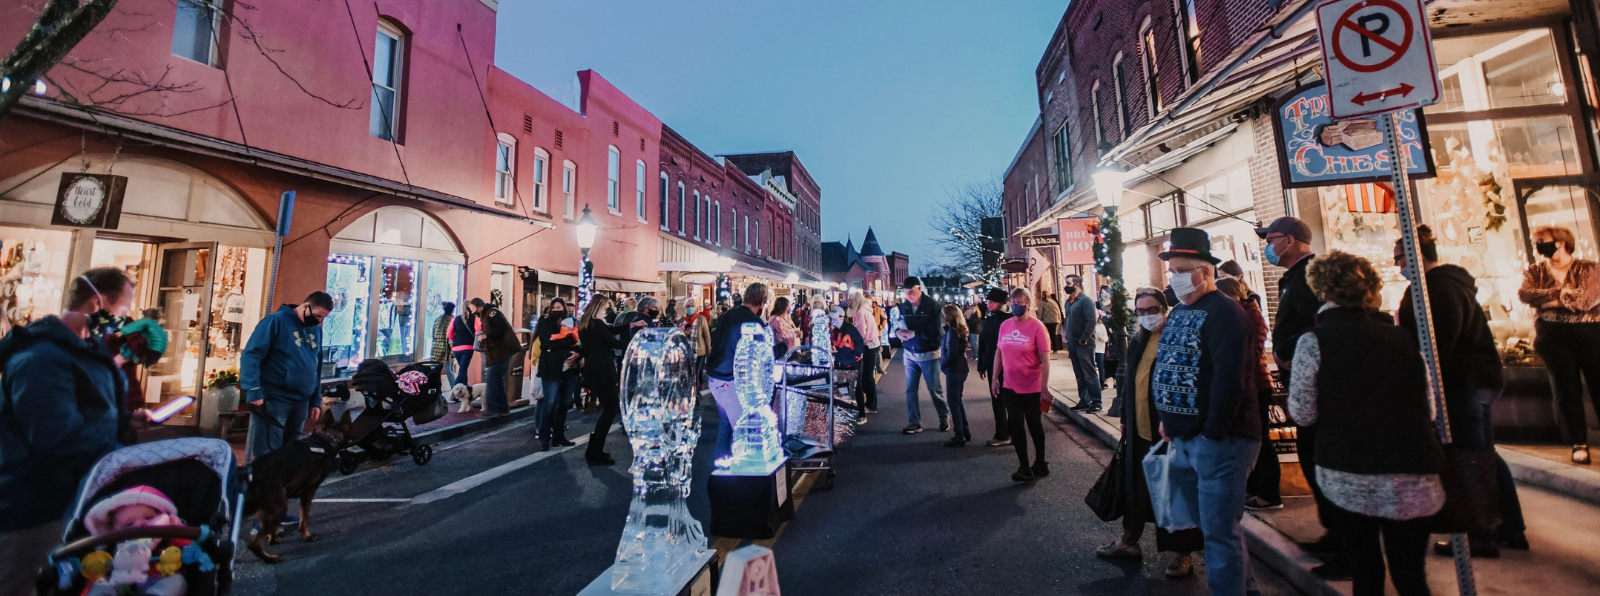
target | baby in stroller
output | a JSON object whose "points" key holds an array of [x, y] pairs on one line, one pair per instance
{"points": [[140, 506]]}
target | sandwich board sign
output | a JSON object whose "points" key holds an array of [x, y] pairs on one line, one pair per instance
{"points": [[1378, 56]]}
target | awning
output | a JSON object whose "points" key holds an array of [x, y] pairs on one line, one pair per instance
{"points": [[560, 279], [628, 286]]}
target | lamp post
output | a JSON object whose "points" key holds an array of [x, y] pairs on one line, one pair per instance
{"points": [[586, 229], [1108, 186]]}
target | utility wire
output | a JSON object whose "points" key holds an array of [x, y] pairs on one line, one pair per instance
{"points": [[515, 194], [368, 66]]}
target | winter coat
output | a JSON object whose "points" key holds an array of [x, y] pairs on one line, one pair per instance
{"points": [[1468, 357], [499, 340], [989, 340], [59, 415], [922, 319], [1297, 310], [439, 350], [725, 341], [1080, 320], [598, 342], [553, 350], [953, 354], [280, 362]]}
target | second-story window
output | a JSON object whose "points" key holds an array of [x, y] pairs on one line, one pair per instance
{"points": [[541, 179], [387, 69], [614, 180], [638, 190], [569, 188], [1119, 78], [1063, 158], [505, 163], [194, 32], [1095, 99], [681, 210], [705, 214], [696, 215], [1152, 73], [663, 200], [718, 227], [1189, 38]]}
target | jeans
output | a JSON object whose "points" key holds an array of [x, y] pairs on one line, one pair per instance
{"points": [[1213, 473], [1023, 417], [955, 383], [1404, 542], [463, 360], [266, 437], [494, 391], [1084, 371], [1100, 366], [553, 406], [1571, 351], [916, 371], [972, 345], [728, 412], [867, 387]]}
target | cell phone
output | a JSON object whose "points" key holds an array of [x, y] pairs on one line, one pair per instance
{"points": [[167, 410]]}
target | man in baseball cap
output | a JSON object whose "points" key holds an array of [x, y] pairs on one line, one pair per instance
{"points": [[988, 343]]}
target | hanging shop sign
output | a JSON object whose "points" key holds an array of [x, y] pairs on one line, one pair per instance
{"points": [[1378, 56], [1041, 240], [89, 201], [1314, 150], [1077, 241]]}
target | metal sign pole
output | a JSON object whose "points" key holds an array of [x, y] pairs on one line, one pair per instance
{"points": [[285, 213], [1423, 312]]}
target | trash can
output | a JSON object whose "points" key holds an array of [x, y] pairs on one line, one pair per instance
{"points": [[518, 367]]}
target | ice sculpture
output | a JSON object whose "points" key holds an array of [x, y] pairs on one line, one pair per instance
{"points": [[755, 436], [661, 541], [896, 323], [822, 334]]}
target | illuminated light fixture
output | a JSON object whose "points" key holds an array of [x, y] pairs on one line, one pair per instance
{"points": [[792, 279], [587, 229], [1108, 183]]}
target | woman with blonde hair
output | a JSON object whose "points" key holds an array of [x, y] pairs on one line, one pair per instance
{"points": [[859, 311], [598, 343]]}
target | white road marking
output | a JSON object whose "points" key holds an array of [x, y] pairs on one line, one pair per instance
{"points": [[362, 500], [481, 478], [442, 446]]}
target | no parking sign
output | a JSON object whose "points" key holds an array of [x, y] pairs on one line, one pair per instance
{"points": [[1378, 56]]}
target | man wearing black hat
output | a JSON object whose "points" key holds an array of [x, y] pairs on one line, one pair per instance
{"points": [[919, 343], [1288, 245], [1206, 402], [988, 342]]}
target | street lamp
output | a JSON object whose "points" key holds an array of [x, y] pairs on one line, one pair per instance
{"points": [[586, 229], [1108, 183]]}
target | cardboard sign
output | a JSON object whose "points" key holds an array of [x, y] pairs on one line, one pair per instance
{"points": [[89, 201]]}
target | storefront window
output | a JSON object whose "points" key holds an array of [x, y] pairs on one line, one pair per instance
{"points": [[397, 299], [33, 271], [1504, 70], [235, 304], [344, 331], [444, 285]]}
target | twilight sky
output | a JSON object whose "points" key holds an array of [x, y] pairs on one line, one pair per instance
{"points": [[888, 103]]}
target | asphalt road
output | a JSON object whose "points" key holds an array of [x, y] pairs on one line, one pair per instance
{"points": [[906, 516]]}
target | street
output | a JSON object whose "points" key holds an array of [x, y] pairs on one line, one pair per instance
{"points": [[907, 516]]}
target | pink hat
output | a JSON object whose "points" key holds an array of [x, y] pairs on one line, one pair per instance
{"points": [[99, 518]]}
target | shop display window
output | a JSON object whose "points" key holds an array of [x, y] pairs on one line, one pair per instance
{"points": [[33, 271], [236, 294], [444, 285], [344, 330], [1502, 70], [397, 301]]}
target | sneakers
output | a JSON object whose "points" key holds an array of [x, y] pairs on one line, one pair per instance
{"points": [[913, 429], [956, 442], [1086, 408], [1022, 475], [1041, 469], [1118, 550], [1255, 503], [944, 425], [1181, 566], [997, 442]]}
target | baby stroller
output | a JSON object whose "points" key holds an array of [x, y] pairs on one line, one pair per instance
{"points": [[380, 432], [197, 474]]}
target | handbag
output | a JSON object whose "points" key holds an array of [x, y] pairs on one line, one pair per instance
{"points": [[434, 410], [1174, 509], [1471, 495], [1108, 498]]}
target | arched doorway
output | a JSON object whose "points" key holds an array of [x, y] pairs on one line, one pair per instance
{"points": [[390, 273]]}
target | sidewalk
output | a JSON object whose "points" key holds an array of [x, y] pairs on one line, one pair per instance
{"points": [[1562, 517]]}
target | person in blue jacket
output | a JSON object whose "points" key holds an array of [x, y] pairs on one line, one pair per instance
{"points": [[279, 371], [63, 394]]}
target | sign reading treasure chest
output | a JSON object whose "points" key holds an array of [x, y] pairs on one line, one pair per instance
{"points": [[1317, 151]]}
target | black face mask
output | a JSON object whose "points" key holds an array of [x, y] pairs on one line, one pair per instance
{"points": [[558, 314], [312, 320], [1548, 249], [103, 324], [653, 313]]}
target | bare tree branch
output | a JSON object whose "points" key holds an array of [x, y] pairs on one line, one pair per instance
{"points": [[957, 226], [61, 25]]}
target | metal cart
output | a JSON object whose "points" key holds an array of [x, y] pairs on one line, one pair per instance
{"points": [[811, 399]]}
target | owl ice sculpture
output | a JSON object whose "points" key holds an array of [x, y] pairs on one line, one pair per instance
{"points": [[660, 540], [756, 449]]}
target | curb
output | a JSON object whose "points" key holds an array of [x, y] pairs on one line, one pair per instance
{"points": [[1577, 483], [461, 429], [1266, 543]]}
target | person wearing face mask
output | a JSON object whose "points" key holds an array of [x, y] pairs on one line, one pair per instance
{"points": [[1079, 331], [1566, 292], [558, 346], [61, 411], [1206, 402], [920, 351], [988, 338], [848, 345], [1139, 426], [1022, 379], [1288, 245], [279, 371]]}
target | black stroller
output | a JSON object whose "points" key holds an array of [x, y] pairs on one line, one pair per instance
{"points": [[380, 432], [197, 475]]}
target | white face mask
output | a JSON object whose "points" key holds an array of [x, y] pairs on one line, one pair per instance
{"points": [[1182, 283], [1151, 322]]}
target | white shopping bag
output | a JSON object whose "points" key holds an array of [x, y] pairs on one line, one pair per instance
{"points": [[1173, 489]]}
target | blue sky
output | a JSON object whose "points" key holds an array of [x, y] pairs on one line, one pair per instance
{"points": [[887, 103]]}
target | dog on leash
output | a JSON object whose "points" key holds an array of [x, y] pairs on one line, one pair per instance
{"points": [[294, 471], [468, 396]]}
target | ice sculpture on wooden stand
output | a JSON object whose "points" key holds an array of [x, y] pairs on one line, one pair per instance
{"points": [[756, 449], [663, 548]]}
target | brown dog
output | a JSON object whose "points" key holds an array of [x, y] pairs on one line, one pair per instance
{"points": [[294, 471]]}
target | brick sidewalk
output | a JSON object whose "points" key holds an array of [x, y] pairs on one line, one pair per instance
{"points": [[1562, 528]]}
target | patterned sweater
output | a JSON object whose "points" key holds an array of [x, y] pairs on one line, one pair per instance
{"points": [[1575, 299]]}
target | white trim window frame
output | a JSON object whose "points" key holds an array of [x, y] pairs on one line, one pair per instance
{"points": [[705, 214], [388, 68], [194, 31], [639, 173], [569, 188], [734, 240], [718, 227], [1118, 81], [1188, 27], [1152, 69], [696, 227], [747, 234], [666, 183], [505, 169], [541, 180], [681, 206], [1094, 104], [614, 180]]}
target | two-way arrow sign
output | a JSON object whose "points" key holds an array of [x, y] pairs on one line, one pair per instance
{"points": [[1403, 90]]}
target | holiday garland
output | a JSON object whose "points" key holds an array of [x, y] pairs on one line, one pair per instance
{"points": [[1107, 236]]}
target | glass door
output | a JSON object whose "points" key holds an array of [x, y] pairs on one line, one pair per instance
{"points": [[183, 284]]}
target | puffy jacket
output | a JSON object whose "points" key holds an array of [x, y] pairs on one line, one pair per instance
{"points": [[923, 320]]}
